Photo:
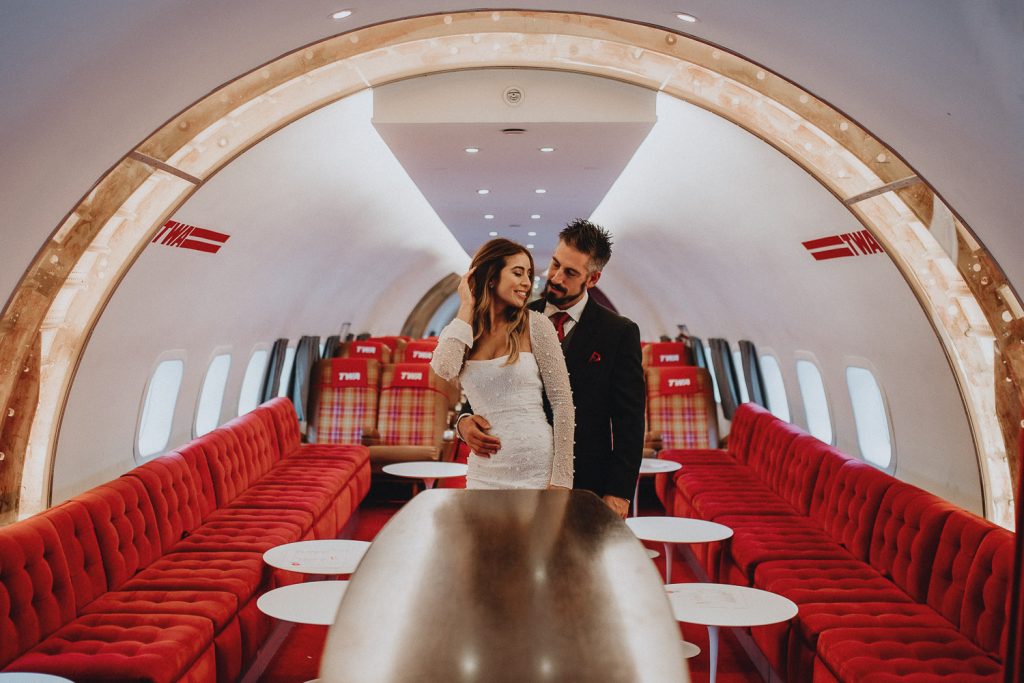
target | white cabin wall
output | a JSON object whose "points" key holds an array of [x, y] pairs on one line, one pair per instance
{"points": [[325, 228], [942, 83], [713, 239]]}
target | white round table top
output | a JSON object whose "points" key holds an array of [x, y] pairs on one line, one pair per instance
{"points": [[677, 529], [689, 649], [327, 556], [427, 469], [313, 602], [658, 466], [27, 677], [715, 604]]}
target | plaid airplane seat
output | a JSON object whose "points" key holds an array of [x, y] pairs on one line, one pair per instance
{"points": [[346, 395], [413, 406], [369, 349], [660, 354], [680, 408]]}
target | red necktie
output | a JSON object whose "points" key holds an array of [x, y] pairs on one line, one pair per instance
{"points": [[559, 319]]}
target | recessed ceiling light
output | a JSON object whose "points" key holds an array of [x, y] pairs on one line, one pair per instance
{"points": [[489, 216], [535, 216], [540, 190], [688, 18], [531, 234], [547, 149], [472, 150], [342, 14], [483, 191], [529, 246], [492, 233]]}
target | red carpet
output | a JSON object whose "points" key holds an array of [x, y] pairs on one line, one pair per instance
{"points": [[299, 657]]}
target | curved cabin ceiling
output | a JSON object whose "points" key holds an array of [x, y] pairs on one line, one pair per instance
{"points": [[708, 223], [824, 53]]}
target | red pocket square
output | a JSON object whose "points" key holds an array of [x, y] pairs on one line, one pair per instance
{"points": [[595, 357]]}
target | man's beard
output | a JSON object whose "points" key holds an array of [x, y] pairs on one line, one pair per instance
{"points": [[561, 296]]}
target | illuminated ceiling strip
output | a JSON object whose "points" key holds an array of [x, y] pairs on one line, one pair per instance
{"points": [[895, 185], [156, 163]]}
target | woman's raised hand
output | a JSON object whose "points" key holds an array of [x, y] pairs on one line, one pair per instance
{"points": [[466, 298]]}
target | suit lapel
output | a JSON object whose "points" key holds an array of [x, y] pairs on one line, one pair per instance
{"points": [[580, 343]]}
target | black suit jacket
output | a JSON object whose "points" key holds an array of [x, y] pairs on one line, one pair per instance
{"points": [[602, 353]]}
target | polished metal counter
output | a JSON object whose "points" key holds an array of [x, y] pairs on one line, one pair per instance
{"points": [[504, 586]]}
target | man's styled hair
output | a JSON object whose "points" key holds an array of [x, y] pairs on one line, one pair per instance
{"points": [[590, 239]]}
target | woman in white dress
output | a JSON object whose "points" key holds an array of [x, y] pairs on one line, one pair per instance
{"points": [[507, 359]]}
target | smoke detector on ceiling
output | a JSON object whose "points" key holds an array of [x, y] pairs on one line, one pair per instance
{"points": [[513, 96]]}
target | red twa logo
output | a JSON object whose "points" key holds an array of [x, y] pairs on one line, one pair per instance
{"points": [[175, 234], [860, 243]]}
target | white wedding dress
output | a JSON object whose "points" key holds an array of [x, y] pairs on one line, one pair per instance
{"points": [[510, 397]]}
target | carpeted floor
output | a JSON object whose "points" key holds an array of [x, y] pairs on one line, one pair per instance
{"points": [[299, 656]]}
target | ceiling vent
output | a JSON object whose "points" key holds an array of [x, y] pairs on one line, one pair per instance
{"points": [[513, 96]]}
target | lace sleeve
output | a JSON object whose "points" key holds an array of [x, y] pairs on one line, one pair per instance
{"points": [[455, 338], [553, 373]]}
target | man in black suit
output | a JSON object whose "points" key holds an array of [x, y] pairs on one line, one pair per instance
{"points": [[602, 353]]}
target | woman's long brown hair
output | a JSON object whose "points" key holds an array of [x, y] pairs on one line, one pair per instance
{"points": [[489, 261]]}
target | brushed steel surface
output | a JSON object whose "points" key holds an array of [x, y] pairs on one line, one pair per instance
{"points": [[504, 586]]}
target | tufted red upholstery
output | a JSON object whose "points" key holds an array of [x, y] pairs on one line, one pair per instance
{"points": [[742, 428], [851, 504], [194, 456], [280, 414], [792, 470], [154, 576], [892, 583], [906, 537], [985, 609], [36, 594], [126, 527], [174, 495], [906, 655], [105, 647], [81, 550]]}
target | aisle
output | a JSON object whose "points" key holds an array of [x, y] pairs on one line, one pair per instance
{"points": [[298, 659]]}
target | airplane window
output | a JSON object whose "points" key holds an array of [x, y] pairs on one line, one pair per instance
{"points": [[775, 387], [711, 371], [869, 416], [812, 388], [211, 397], [249, 397], [286, 370], [158, 409], [738, 362]]}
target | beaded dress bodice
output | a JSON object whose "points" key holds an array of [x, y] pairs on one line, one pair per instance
{"points": [[510, 397]]}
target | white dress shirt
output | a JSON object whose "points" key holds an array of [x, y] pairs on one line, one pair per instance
{"points": [[574, 311]]}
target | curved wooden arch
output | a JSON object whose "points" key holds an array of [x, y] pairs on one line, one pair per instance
{"points": [[56, 305]]}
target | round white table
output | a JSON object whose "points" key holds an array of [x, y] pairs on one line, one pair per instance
{"points": [[28, 677], [689, 649], [313, 602], [328, 556], [671, 530], [427, 470], [715, 605], [653, 466]]}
